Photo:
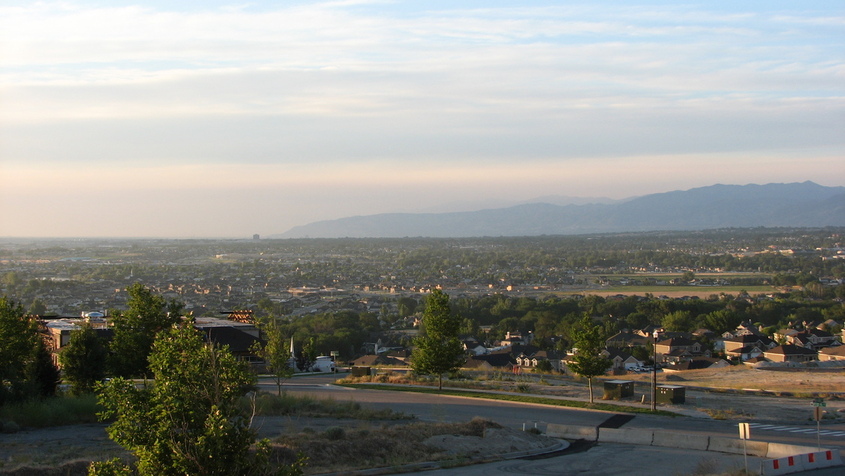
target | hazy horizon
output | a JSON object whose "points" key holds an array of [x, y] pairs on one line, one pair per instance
{"points": [[222, 120]]}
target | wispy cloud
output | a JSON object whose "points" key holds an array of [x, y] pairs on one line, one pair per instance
{"points": [[339, 98]]}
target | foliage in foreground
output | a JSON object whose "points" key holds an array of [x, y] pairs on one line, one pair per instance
{"points": [[189, 421], [26, 369]]}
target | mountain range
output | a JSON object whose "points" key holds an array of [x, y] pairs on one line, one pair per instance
{"points": [[804, 204]]}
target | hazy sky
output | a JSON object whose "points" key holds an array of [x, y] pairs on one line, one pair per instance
{"points": [[223, 119]]}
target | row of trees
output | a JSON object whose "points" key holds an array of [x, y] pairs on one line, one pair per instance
{"points": [[552, 318], [438, 349]]}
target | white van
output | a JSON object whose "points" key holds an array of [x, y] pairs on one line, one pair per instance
{"points": [[324, 363]]}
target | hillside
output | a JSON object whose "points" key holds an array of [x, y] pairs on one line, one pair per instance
{"points": [[803, 204]]}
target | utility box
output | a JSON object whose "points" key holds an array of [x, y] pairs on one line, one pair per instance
{"points": [[671, 394], [616, 389], [360, 371]]}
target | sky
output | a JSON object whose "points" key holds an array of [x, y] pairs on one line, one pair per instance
{"points": [[223, 119]]}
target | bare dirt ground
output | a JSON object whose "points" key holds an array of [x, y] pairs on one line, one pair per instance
{"points": [[737, 392], [711, 393]]}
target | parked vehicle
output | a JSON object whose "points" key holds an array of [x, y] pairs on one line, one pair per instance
{"points": [[323, 363]]}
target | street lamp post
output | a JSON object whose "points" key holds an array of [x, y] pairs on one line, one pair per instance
{"points": [[654, 374]]}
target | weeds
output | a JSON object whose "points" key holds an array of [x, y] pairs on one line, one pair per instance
{"points": [[519, 398], [267, 404], [335, 433], [55, 411], [727, 414], [338, 449]]}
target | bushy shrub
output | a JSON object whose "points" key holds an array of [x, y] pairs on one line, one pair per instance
{"points": [[335, 433]]}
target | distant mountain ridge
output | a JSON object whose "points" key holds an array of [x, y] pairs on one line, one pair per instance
{"points": [[804, 204]]}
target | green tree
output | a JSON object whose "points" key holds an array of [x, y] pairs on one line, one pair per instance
{"points": [[306, 356], [679, 321], [84, 360], [438, 349], [38, 307], [42, 373], [469, 327], [11, 280], [275, 351], [545, 366], [19, 344], [192, 422], [722, 321], [407, 306], [588, 339], [136, 329]]}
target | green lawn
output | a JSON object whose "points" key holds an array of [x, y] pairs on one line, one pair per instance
{"points": [[697, 290]]}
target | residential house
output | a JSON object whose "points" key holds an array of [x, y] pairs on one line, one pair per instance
{"points": [[747, 328], [373, 360], [241, 344], [790, 353], [623, 340], [832, 353], [516, 338], [402, 354], [698, 363], [502, 361], [678, 349], [812, 339], [474, 347], [705, 334], [649, 330], [531, 361], [747, 346], [755, 360], [743, 354], [241, 337], [622, 360], [784, 335]]}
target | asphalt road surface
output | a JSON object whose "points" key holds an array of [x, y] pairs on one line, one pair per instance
{"points": [[599, 460]]}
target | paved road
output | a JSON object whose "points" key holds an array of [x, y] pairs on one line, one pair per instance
{"points": [[598, 460], [428, 407]]}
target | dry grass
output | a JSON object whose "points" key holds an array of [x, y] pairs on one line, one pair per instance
{"points": [[799, 383], [385, 377], [387, 446]]}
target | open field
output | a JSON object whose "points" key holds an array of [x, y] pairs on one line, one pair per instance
{"points": [[798, 383], [702, 292], [764, 395]]}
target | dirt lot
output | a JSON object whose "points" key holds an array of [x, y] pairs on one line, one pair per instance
{"points": [[788, 401], [739, 392]]}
